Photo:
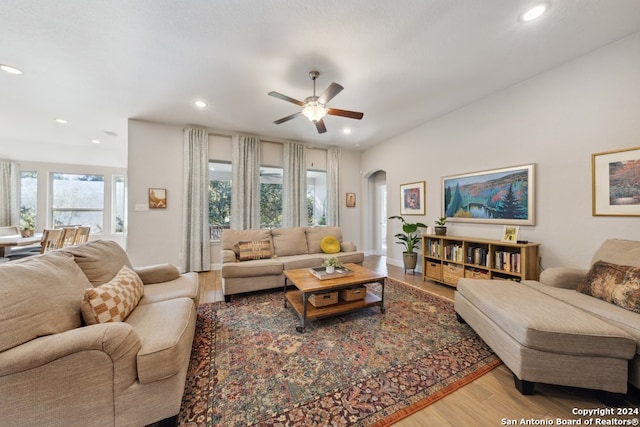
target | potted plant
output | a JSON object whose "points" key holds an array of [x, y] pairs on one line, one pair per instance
{"points": [[27, 224], [330, 264], [410, 239], [440, 228]]}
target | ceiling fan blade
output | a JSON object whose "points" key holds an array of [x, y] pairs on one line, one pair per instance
{"points": [[286, 98], [329, 93], [286, 119], [345, 113], [320, 126]]}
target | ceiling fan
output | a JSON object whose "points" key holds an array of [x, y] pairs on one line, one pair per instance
{"points": [[315, 107]]}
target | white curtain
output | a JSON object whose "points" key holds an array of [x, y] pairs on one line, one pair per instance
{"points": [[294, 188], [245, 182], [333, 187], [195, 244], [9, 194]]}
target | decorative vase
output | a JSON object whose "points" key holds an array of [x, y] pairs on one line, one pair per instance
{"points": [[26, 233], [331, 269], [440, 230]]}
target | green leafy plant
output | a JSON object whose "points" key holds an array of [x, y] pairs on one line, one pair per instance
{"points": [[441, 222], [410, 238], [332, 262], [27, 221]]}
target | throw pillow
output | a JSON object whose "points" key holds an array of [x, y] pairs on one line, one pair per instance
{"points": [[617, 284], [330, 245], [260, 249], [113, 301]]}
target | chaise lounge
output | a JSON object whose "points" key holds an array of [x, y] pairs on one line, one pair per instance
{"points": [[574, 327]]}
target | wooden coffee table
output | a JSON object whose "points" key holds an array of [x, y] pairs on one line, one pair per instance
{"points": [[307, 284]]}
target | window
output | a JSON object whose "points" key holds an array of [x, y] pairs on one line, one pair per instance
{"points": [[28, 200], [77, 200], [270, 197], [317, 197], [219, 197], [118, 204]]}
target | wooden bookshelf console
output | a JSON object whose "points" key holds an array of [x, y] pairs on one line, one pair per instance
{"points": [[446, 259]]}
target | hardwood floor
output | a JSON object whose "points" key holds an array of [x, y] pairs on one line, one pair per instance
{"points": [[492, 399]]}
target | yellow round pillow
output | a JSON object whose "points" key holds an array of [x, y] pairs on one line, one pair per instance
{"points": [[330, 245]]}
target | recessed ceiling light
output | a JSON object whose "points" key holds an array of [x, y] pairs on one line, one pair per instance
{"points": [[95, 141], [9, 69], [62, 121], [534, 13], [346, 131], [200, 104]]}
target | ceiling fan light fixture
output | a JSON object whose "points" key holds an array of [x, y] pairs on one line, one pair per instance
{"points": [[314, 111]]}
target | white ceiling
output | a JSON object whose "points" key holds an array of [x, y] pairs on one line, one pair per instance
{"points": [[402, 63]]}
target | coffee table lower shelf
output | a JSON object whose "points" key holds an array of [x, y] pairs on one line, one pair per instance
{"points": [[297, 299]]}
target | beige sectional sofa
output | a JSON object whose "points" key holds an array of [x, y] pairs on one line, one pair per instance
{"points": [[294, 247], [57, 370], [546, 331]]}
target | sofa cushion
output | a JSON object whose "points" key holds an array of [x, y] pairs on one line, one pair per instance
{"points": [[185, 286], [330, 245], [114, 300], [230, 238], [255, 268], [166, 331], [301, 261], [618, 251], [51, 287], [289, 241], [158, 273], [617, 284], [547, 324], [257, 249], [100, 260], [316, 234]]}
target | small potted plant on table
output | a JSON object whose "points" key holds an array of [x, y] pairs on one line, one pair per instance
{"points": [[330, 264], [410, 239], [440, 228]]}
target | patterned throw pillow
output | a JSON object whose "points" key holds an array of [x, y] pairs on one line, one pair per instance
{"points": [[113, 301], [259, 249], [330, 245], [617, 284]]}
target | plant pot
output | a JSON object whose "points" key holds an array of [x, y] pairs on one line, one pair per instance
{"points": [[331, 269], [410, 260], [26, 233], [440, 230]]}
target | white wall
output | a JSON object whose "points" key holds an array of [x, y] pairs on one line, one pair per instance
{"points": [[155, 160], [555, 120]]}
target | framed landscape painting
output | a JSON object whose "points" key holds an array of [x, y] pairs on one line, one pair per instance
{"points": [[412, 198], [615, 177], [500, 196]]}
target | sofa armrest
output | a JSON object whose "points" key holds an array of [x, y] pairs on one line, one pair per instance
{"points": [[158, 273], [348, 247], [117, 340], [228, 256], [562, 277]]}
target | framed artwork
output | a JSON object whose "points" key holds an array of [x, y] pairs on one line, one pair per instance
{"points": [[499, 196], [157, 198], [615, 177], [510, 233], [351, 200], [412, 198]]}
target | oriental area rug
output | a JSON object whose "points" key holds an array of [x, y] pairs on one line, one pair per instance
{"points": [[249, 366]]}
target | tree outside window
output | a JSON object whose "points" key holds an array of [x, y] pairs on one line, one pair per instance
{"points": [[77, 200]]}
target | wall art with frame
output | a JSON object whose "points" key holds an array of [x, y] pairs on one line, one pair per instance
{"points": [[157, 198], [412, 197], [615, 182], [499, 196], [351, 200]]}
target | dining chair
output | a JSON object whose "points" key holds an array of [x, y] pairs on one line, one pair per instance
{"points": [[82, 235], [51, 239], [69, 236]]}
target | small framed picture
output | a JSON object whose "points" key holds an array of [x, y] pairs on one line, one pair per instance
{"points": [[510, 233], [157, 198], [412, 198], [351, 200]]}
